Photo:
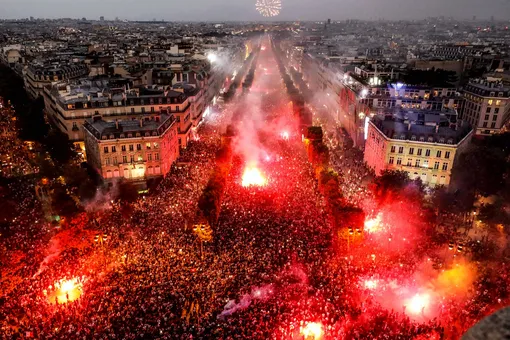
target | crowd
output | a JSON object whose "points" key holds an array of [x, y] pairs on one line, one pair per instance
{"points": [[270, 269]]}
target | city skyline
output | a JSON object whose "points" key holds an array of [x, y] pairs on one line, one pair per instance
{"points": [[244, 10]]}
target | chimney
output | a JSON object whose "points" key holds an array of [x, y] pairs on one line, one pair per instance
{"points": [[141, 121], [409, 126], [437, 128], [117, 124]]}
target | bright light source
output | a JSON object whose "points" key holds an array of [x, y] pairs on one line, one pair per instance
{"points": [[253, 177], [212, 57], [418, 303], [312, 330], [285, 135], [370, 284]]}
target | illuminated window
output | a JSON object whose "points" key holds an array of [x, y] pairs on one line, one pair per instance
{"points": [[417, 163], [498, 102], [490, 101], [148, 146]]}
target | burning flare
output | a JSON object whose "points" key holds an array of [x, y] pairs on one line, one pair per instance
{"points": [[418, 304], [252, 176], [66, 291], [312, 330], [373, 225]]}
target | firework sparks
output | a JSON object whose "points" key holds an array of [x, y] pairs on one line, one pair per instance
{"points": [[370, 284], [269, 8], [252, 176]]}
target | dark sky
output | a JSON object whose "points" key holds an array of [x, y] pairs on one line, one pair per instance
{"points": [[216, 10]]}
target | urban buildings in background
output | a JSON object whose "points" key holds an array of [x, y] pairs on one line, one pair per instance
{"points": [[426, 86]]}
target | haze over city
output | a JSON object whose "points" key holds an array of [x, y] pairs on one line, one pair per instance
{"points": [[242, 10]]}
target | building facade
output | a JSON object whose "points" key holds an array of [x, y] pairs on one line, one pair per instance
{"points": [[426, 146], [68, 108], [487, 106], [134, 150]]}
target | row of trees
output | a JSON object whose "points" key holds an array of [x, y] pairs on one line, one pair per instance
{"points": [[229, 95], [209, 203]]}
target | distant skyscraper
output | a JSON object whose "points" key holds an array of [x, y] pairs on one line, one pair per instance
{"points": [[31, 18], [492, 17], [101, 18], [474, 17], [329, 21]]}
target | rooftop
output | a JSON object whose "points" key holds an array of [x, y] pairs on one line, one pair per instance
{"points": [[155, 126], [425, 126]]}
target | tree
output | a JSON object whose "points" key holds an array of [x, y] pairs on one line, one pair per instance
{"points": [[481, 170], [59, 147]]}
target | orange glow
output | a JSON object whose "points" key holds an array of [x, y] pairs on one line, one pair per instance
{"points": [[66, 291], [253, 177], [312, 330]]}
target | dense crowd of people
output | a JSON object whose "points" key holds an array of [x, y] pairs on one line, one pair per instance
{"points": [[271, 270]]}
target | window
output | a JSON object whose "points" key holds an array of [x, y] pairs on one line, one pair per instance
{"points": [[131, 148], [105, 149], [490, 100], [400, 149], [156, 156], [419, 152], [496, 110], [131, 158], [152, 109], [399, 161], [438, 154], [411, 151], [427, 153], [115, 160], [484, 124], [486, 117], [417, 163], [409, 162], [138, 147], [426, 164], [436, 165], [123, 148], [149, 157], [143, 109], [114, 149], [107, 161], [132, 110], [148, 146], [156, 145], [498, 102], [493, 125], [393, 148], [488, 110], [124, 159], [447, 154], [445, 166], [140, 158]]}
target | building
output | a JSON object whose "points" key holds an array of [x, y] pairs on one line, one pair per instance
{"points": [[68, 106], [37, 77], [487, 106], [424, 144], [132, 149]]}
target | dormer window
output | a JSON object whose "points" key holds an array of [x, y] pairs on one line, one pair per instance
{"points": [[112, 136], [430, 139], [130, 135], [441, 140], [450, 141], [138, 134], [422, 139], [413, 137]]}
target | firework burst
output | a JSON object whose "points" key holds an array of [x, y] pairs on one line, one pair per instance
{"points": [[269, 8]]}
